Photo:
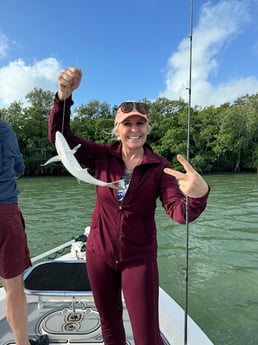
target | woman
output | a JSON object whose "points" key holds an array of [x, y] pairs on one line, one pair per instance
{"points": [[122, 245]]}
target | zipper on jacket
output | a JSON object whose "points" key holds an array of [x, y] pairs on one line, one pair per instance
{"points": [[118, 232]]}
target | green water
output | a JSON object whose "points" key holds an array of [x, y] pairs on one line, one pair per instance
{"points": [[223, 247]]}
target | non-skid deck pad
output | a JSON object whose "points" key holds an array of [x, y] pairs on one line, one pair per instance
{"points": [[58, 276]]}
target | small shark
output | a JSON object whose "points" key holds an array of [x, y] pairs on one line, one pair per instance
{"points": [[66, 156]]}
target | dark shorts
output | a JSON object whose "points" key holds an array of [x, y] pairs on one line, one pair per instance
{"points": [[14, 252]]}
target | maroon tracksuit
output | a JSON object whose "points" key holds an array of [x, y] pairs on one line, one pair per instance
{"points": [[122, 245]]}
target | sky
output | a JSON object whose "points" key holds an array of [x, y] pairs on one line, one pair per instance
{"points": [[130, 49]]}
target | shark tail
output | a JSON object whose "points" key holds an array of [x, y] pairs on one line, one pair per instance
{"points": [[116, 184]]}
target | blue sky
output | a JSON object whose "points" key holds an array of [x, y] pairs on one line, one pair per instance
{"points": [[130, 49]]}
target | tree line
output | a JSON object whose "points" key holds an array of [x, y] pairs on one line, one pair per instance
{"points": [[222, 138]]}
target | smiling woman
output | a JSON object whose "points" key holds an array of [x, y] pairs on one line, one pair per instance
{"points": [[131, 128], [122, 244]]}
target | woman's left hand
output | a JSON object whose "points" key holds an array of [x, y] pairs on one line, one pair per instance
{"points": [[191, 183]]}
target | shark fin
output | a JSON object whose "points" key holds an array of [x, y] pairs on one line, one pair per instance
{"points": [[74, 150], [52, 160]]}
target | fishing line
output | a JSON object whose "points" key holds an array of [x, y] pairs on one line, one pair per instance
{"points": [[63, 117], [187, 157]]}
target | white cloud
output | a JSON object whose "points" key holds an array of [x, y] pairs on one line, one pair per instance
{"points": [[18, 79], [218, 25]]}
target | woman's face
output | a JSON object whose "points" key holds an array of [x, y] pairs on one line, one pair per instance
{"points": [[132, 132]]}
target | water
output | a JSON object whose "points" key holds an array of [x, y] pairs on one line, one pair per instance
{"points": [[223, 247]]}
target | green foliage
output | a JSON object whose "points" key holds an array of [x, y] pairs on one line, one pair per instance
{"points": [[30, 125], [221, 138]]}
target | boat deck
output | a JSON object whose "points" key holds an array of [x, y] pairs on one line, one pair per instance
{"points": [[66, 322], [60, 304]]}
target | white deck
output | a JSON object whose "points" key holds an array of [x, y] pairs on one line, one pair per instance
{"points": [[74, 320]]}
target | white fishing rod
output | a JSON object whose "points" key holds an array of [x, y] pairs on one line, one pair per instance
{"points": [[188, 157]]}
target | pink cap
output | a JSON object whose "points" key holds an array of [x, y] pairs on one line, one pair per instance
{"points": [[121, 116]]}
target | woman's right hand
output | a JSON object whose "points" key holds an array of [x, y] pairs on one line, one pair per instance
{"points": [[68, 80]]}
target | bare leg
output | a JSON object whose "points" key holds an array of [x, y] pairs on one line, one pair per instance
{"points": [[16, 309]]}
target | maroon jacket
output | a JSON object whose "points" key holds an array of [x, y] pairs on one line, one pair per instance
{"points": [[125, 231]]}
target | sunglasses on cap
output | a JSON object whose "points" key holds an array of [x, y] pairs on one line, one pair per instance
{"points": [[127, 107]]}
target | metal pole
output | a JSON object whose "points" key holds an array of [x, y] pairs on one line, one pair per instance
{"points": [[187, 157]]}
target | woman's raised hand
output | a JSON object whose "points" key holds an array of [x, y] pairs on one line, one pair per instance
{"points": [[68, 80], [191, 183]]}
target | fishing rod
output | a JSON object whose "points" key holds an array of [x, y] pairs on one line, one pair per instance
{"points": [[63, 115], [187, 157]]}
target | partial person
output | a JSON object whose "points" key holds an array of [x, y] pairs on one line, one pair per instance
{"points": [[121, 251], [14, 252]]}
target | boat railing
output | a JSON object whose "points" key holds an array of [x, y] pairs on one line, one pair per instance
{"points": [[56, 251]]}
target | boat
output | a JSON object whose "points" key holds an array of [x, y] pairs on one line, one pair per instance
{"points": [[61, 305]]}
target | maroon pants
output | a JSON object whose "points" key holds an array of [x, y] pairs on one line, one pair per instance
{"points": [[140, 287]]}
